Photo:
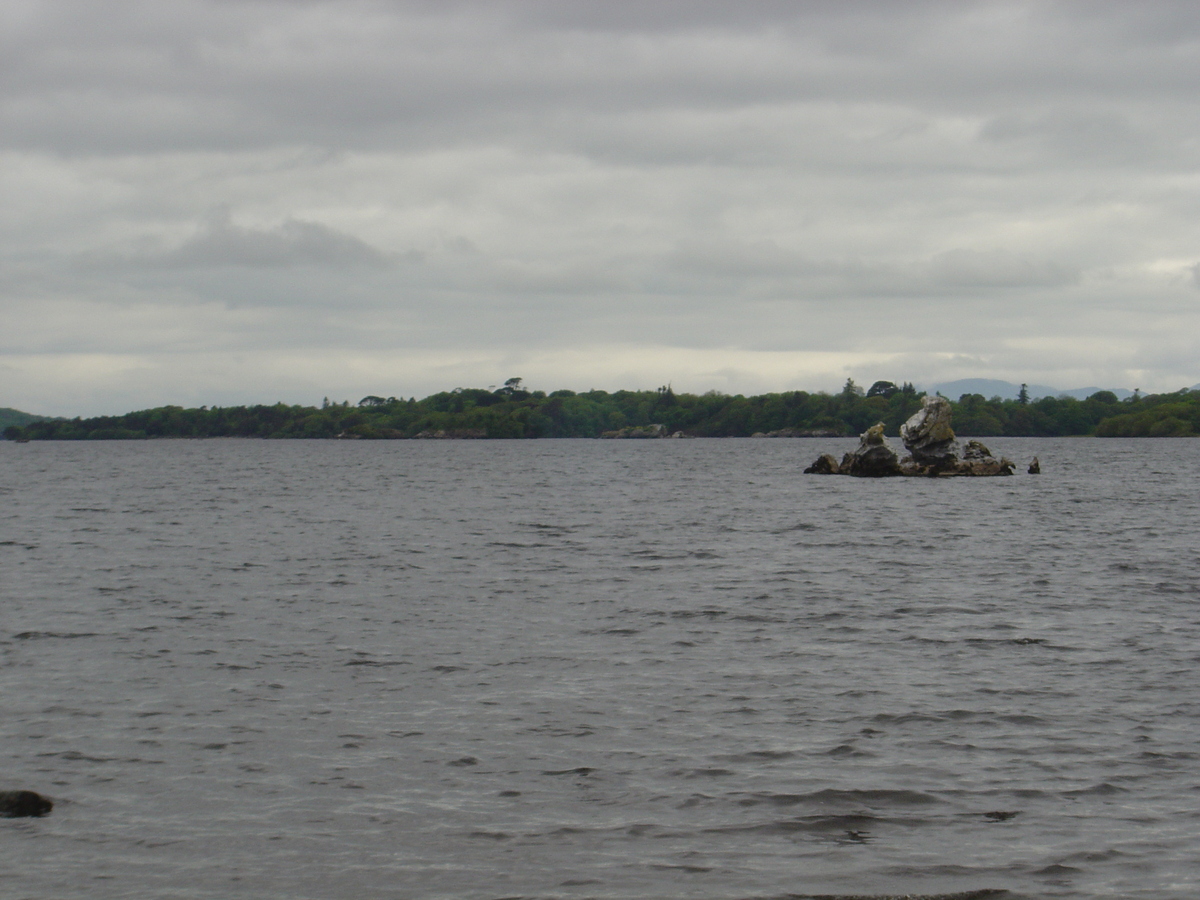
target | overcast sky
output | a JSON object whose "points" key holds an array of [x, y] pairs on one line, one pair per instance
{"points": [[235, 202]]}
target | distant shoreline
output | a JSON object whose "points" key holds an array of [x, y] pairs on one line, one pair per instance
{"points": [[514, 413]]}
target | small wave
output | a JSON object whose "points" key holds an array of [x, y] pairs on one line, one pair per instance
{"points": [[1103, 789], [831, 796], [855, 824], [980, 894], [66, 635], [849, 751], [377, 662], [756, 755], [701, 773]]}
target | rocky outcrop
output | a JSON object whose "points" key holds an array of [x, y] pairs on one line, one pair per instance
{"points": [[977, 459], [22, 804], [874, 457], [825, 465], [927, 435], [933, 450]]}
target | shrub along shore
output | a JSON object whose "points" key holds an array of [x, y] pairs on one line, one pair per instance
{"points": [[514, 412]]}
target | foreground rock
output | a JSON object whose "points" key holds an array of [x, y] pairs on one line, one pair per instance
{"points": [[933, 450], [22, 804]]}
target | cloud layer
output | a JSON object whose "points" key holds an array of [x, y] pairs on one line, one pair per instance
{"points": [[241, 201]]}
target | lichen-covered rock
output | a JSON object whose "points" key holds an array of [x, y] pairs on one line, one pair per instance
{"points": [[927, 435], [952, 466], [985, 466], [976, 450], [874, 458]]}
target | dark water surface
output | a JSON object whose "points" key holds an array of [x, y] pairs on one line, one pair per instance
{"points": [[569, 669]]}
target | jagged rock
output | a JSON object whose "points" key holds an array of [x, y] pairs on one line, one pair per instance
{"points": [[985, 466], [21, 804], [951, 466], [874, 458], [825, 465], [928, 435], [1035, 467], [976, 450]]}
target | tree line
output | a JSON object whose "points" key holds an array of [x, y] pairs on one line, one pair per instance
{"points": [[512, 411]]}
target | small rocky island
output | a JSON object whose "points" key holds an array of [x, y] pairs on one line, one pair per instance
{"points": [[933, 450]]}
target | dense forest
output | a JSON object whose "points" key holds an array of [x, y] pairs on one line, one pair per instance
{"points": [[514, 412]]}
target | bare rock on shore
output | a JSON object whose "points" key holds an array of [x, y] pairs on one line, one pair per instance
{"points": [[23, 804]]}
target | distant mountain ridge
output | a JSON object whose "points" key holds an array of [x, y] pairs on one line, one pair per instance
{"points": [[1006, 390], [9, 416]]}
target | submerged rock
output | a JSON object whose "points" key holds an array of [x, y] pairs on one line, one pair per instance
{"points": [[22, 804]]}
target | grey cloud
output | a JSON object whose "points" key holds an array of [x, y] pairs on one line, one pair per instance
{"points": [[292, 243], [952, 271], [997, 269], [122, 77], [1088, 137], [815, 176]]}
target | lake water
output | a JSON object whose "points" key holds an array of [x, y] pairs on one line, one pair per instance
{"points": [[610, 669]]}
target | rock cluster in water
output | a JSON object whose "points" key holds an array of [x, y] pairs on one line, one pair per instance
{"points": [[21, 804], [932, 447]]}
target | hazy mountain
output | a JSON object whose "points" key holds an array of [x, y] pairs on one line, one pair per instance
{"points": [[16, 417], [991, 387]]}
